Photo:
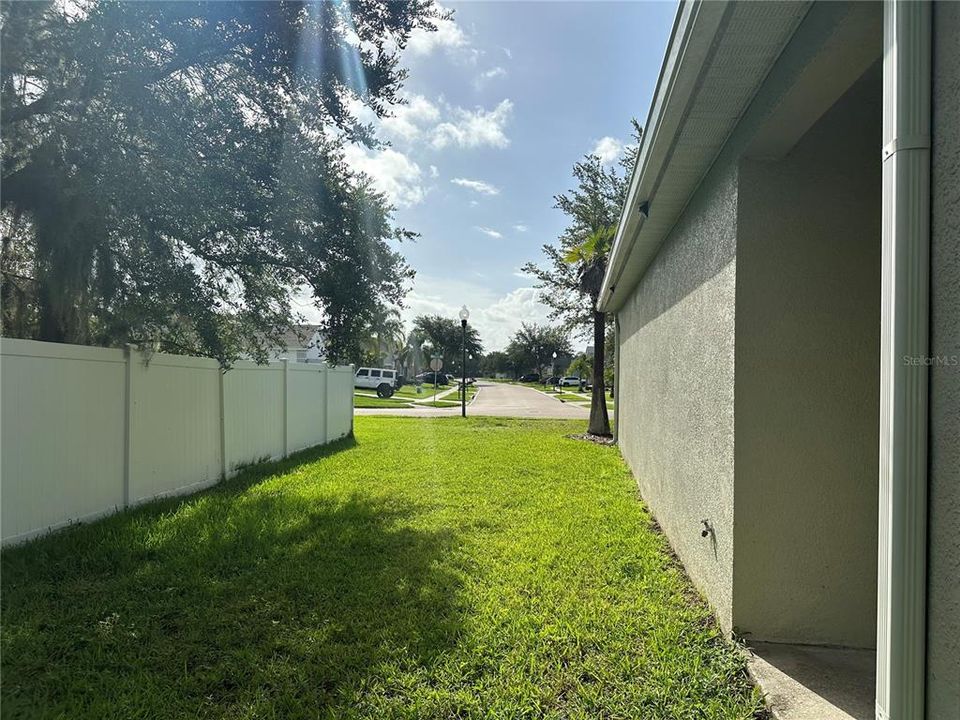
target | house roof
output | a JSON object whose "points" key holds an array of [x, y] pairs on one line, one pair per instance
{"points": [[717, 58], [291, 338]]}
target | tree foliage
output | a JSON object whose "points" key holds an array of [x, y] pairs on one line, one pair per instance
{"points": [[495, 362], [573, 275], [172, 171], [593, 209], [581, 366], [383, 340], [445, 336], [532, 346]]}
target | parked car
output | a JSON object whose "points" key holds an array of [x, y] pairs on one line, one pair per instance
{"points": [[383, 380], [432, 378], [530, 377], [570, 381], [552, 380]]}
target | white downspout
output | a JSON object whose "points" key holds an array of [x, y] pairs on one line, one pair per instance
{"points": [[901, 611]]}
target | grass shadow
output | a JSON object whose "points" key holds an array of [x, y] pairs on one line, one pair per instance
{"points": [[255, 598]]}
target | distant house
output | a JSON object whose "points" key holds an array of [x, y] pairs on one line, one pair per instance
{"points": [[786, 286], [304, 344]]}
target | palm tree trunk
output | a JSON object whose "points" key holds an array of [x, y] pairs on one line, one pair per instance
{"points": [[599, 420]]}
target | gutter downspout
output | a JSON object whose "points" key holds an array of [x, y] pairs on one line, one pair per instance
{"points": [[904, 335]]}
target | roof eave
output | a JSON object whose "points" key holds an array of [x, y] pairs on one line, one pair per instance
{"points": [[724, 45], [695, 29]]}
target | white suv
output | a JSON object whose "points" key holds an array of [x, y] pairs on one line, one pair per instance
{"points": [[570, 381], [382, 380]]}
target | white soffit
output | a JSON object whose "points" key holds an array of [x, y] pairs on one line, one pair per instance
{"points": [[717, 59]]}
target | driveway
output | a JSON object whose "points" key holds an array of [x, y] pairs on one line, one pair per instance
{"points": [[499, 400]]}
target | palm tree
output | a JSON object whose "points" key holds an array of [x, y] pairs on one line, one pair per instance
{"points": [[408, 353], [590, 259], [384, 335]]}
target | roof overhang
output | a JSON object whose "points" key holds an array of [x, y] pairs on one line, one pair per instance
{"points": [[717, 58]]}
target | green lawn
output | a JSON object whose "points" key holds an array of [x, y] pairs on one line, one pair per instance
{"points": [[434, 568], [568, 396], [410, 391], [364, 401], [403, 396], [580, 399]]}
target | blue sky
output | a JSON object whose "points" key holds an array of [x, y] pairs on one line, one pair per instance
{"points": [[502, 101]]}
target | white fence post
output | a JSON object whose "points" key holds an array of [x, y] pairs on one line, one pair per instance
{"points": [[326, 403], [224, 465], [286, 407], [129, 352]]}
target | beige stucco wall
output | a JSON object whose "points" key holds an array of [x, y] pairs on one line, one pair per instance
{"points": [[943, 619], [677, 366], [676, 387], [807, 382]]}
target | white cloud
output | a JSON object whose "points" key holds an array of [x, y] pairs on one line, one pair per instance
{"points": [[489, 231], [392, 172], [448, 35], [434, 172], [487, 75], [608, 149], [496, 317], [408, 120], [519, 227], [474, 128], [437, 123], [479, 186]]}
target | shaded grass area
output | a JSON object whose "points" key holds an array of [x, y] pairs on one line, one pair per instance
{"points": [[435, 568]]}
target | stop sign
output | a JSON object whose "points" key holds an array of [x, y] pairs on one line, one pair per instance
{"points": [[436, 364]]}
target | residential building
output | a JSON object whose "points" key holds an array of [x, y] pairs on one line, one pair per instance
{"points": [[304, 343], [785, 280]]}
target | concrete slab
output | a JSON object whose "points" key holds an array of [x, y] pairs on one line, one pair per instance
{"points": [[806, 682]]}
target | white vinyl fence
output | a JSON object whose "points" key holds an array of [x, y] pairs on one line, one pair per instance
{"points": [[86, 431]]}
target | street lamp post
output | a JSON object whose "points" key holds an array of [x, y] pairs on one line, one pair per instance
{"points": [[553, 367], [464, 314]]}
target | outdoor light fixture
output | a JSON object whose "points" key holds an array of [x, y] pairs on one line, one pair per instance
{"points": [[464, 314]]}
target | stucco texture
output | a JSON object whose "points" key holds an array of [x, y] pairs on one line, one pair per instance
{"points": [[807, 382], [676, 387], [943, 612]]}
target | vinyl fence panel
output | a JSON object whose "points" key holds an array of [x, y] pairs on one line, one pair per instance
{"points": [[253, 414], [62, 416], [87, 431], [174, 426], [340, 403], [306, 405]]}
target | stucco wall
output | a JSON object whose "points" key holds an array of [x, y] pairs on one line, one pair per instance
{"points": [[807, 382], [676, 383], [943, 620], [676, 386]]}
